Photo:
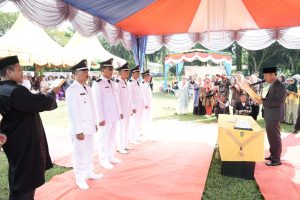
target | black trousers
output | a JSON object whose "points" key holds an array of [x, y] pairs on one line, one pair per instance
{"points": [[255, 111], [25, 196], [273, 133], [297, 125]]}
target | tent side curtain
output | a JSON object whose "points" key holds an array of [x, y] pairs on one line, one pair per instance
{"points": [[248, 39], [179, 68], [167, 67], [139, 45], [53, 13]]}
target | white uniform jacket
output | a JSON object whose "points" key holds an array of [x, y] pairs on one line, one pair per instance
{"points": [[106, 101], [147, 94], [81, 109], [136, 94], [124, 97]]}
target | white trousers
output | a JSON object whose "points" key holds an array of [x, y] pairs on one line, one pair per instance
{"points": [[124, 133], [147, 121], [83, 155], [107, 141], [136, 125]]}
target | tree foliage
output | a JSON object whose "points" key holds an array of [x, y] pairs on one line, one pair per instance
{"points": [[118, 50], [6, 21], [61, 37]]}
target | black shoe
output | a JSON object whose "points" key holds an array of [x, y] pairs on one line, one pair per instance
{"points": [[268, 158], [295, 132], [273, 163]]}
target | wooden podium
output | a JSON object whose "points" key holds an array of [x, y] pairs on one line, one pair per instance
{"points": [[239, 149]]}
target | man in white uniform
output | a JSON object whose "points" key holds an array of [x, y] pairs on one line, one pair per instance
{"points": [[138, 104], [147, 94], [108, 113], [126, 106], [83, 125]]}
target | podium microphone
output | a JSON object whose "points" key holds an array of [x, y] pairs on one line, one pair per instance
{"points": [[259, 82]]}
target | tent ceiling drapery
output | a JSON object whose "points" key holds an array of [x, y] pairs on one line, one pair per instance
{"points": [[177, 24]]}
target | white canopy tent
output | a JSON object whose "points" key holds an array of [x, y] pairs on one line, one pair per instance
{"points": [[33, 46], [80, 47], [31, 43]]}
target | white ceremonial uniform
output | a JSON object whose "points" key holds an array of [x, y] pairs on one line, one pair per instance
{"points": [[108, 110], [82, 120], [127, 110], [147, 112], [139, 105]]}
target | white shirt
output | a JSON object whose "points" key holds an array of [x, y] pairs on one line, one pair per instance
{"points": [[136, 94], [124, 97], [147, 93], [106, 100], [81, 109]]}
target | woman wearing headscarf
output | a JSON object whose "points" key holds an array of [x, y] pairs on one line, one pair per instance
{"points": [[197, 89], [292, 101], [209, 96], [236, 89]]}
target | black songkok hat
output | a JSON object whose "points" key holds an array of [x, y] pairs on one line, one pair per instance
{"points": [[7, 61], [269, 70]]}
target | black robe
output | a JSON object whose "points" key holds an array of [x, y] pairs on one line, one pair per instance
{"points": [[26, 148]]}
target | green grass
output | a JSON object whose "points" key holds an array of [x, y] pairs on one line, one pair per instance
{"points": [[224, 187], [3, 178]]}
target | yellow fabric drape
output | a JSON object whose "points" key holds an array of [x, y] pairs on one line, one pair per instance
{"points": [[240, 145]]}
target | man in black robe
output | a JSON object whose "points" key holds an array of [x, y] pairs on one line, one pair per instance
{"points": [[26, 147]]}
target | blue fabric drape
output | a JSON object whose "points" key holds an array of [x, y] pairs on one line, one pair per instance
{"points": [[167, 66], [227, 68], [179, 67], [111, 11], [139, 50]]}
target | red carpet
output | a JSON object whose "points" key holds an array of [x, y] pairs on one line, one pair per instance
{"points": [[60, 146], [162, 169], [282, 182]]}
